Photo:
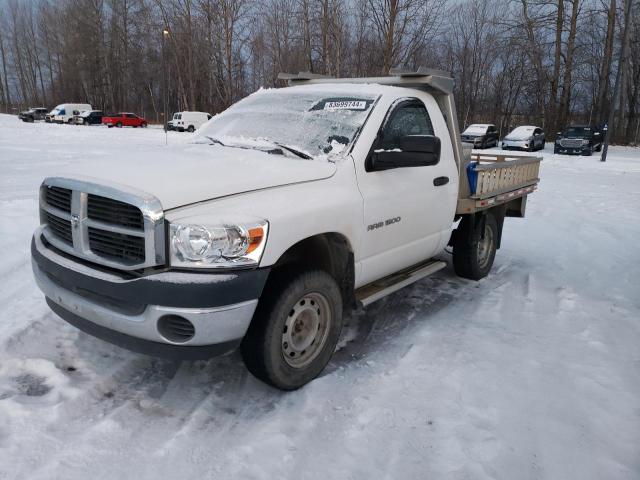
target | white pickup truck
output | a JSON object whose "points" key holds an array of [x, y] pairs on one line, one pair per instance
{"points": [[291, 207]]}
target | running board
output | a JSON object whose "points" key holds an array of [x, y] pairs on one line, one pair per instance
{"points": [[374, 291]]}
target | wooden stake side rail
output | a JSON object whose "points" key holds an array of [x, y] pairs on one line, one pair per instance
{"points": [[501, 178]]}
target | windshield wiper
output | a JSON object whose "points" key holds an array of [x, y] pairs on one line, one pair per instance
{"points": [[215, 140], [296, 152], [277, 144]]}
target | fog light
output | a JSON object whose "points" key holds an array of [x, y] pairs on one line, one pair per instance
{"points": [[176, 329]]}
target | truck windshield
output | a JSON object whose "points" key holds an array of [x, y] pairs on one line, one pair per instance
{"points": [[313, 123], [577, 132]]}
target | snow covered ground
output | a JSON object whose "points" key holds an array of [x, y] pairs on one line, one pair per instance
{"points": [[533, 372]]}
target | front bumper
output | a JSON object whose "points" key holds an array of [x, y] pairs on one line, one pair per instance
{"points": [[515, 144], [586, 150], [128, 311]]}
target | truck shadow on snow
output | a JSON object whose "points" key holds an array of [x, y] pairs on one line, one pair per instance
{"points": [[383, 332]]}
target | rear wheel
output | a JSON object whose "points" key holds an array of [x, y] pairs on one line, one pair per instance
{"points": [[143, 124], [474, 252], [191, 129], [295, 329], [119, 124]]}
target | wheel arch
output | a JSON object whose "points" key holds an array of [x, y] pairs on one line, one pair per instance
{"points": [[330, 252]]}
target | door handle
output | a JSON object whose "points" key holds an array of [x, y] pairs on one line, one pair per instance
{"points": [[439, 181]]}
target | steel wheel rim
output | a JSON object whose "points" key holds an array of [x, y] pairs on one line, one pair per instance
{"points": [[484, 247], [306, 329]]}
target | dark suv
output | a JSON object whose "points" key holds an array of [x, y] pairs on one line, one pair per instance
{"points": [[33, 114], [579, 140]]}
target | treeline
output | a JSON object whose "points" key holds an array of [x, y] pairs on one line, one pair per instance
{"points": [[514, 61]]}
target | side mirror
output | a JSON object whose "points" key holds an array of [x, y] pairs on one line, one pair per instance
{"points": [[412, 151]]}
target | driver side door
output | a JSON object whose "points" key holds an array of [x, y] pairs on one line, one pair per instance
{"points": [[402, 206]]}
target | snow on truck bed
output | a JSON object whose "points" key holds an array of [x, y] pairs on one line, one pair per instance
{"points": [[533, 372]]}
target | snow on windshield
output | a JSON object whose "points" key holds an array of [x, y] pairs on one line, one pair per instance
{"points": [[521, 132], [475, 130], [316, 123]]}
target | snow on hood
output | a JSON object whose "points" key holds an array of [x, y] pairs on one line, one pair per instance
{"points": [[182, 175], [476, 130], [520, 133]]}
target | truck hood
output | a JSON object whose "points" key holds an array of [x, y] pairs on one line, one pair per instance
{"points": [[183, 175]]}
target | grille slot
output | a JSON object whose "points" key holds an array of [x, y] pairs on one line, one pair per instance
{"points": [[120, 247], [60, 227], [114, 212], [58, 198]]}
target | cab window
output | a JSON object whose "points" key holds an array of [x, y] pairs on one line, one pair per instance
{"points": [[408, 118]]}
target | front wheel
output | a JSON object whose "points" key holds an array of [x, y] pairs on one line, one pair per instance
{"points": [[295, 329], [119, 124], [143, 124], [473, 257]]}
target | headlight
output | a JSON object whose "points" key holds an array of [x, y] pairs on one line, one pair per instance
{"points": [[217, 246]]}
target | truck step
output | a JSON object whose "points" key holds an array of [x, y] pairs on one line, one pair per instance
{"points": [[373, 291]]}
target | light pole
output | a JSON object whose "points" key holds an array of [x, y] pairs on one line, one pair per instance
{"points": [[165, 34]]}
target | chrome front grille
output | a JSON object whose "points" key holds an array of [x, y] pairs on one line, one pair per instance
{"points": [[571, 142], [116, 227]]}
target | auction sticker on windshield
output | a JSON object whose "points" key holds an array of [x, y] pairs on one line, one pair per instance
{"points": [[342, 103], [346, 105]]}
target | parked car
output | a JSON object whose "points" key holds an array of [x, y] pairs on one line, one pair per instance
{"points": [[189, 121], [89, 117], [239, 243], [524, 138], [579, 140], [481, 135], [124, 119], [65, 112], [33, 114]]}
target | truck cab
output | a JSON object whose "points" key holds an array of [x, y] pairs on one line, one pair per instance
{"points": [[290, 208]]}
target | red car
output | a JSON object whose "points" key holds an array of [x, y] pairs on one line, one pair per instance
{"points": [[123, 120]]}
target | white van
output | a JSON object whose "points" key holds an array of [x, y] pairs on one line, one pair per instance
{"points": [[188, 121], [64, 112]]}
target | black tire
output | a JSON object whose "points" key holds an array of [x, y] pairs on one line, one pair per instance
{"points": [[191, 129], [285, 300], [110, 126], [599, 149], [470, 259], [143, 125], [119, 124]]}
